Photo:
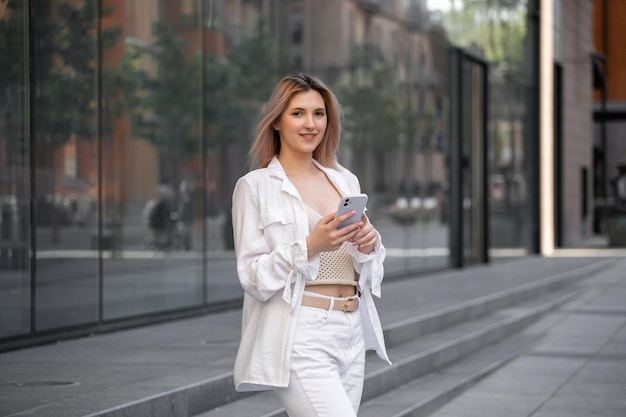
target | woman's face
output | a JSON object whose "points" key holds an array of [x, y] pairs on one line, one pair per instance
{"points": [[303, 123]]}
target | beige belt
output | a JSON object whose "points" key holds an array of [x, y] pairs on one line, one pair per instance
{"points": [[348, 305]]}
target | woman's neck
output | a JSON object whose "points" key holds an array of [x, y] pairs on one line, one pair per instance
{"points": [[298, 167]]}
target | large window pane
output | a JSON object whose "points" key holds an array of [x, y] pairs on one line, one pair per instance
{"points": [[240, 70], [143, 114], [508, 185], [152, 159], [65, 154], [14, 178], [497, 32], [65, 128]]}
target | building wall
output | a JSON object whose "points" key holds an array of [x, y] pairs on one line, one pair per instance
{"points": [[613, 46], [576, 45], [325, 46], [608, 40], [616, 147], [97, 257]]}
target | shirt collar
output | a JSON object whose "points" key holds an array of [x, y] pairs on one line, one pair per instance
{"points": [[276, 169]]}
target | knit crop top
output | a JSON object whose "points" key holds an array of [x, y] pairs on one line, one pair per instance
{"points": [[335, 266]]}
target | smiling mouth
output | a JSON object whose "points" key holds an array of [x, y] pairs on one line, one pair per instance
{"points": [[308, 135]]}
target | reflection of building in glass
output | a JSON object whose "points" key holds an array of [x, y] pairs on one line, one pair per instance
{"points": [[609, 115], [100, 108], [383, 60]]}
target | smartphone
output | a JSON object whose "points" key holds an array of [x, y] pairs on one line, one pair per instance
{"points": [[352, 202]]}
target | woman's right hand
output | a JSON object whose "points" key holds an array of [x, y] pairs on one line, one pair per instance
{"points": [[326, 237]]}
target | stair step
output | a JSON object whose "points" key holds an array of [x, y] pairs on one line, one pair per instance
{"points": [[411, 327], [423, 395], [194, 390], [148, 380], [428, 352], [420, 356], [195, 394]]}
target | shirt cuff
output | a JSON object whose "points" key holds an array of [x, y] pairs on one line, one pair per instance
{"points": [[361, 257]]}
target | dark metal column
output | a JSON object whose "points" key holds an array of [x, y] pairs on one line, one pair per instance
{"points": [[558, 158], [30, 43], [532, 133], [454, 152]]}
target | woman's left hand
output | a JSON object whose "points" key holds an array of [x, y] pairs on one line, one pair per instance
{"points": [[366, 238]]}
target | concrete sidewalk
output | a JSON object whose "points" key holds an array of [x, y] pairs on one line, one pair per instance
{"points": [[87, 376], [577, 370]]}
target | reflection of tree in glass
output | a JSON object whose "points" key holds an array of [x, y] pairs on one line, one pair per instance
{"points": [[494, 28], [237, 85], [373, 114], [12, 100], [167, 106], [235, 89], [65, 54], [121, 83], [12, 130], [64, 89]]}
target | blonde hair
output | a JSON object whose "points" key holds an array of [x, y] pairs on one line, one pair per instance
{"points": [[267, 141]]}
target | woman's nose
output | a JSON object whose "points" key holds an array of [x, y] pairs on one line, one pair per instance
{"points": [[308, 121]]}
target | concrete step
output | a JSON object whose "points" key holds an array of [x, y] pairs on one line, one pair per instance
{"points": [[428, 353], [423, 395], [407, 329], [197, 390]]}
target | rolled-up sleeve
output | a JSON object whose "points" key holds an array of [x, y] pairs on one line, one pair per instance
{"points": [[267, 264], [370, 266]]}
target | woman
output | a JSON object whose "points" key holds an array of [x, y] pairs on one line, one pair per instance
{"points": [[308, 312]]}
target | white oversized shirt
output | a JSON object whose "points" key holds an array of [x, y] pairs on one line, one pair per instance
{"points": [[270, 226]]}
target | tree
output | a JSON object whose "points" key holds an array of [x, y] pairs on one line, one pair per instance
{"points": [[494, 28], [372, 120], [65, 54], [372, 117], [12, 109], [167, 105], [227, 92], [12, 83], [63, 42], [236, 89], [238, 85], [121, 85]]}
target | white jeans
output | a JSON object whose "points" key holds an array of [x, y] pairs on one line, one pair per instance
{"points": [[327, 364]]}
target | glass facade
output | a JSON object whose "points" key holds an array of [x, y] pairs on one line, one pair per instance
{"points": [[15, 181], [124, 126]]}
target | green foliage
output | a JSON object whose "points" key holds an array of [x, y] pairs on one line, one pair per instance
{"points": [[12, 51], [64, 68], [120, 86], [13, 83], [254, 64], [166, 107], [372, 111], [169, 105], [236, 87], [70, 86], [494, 28]]}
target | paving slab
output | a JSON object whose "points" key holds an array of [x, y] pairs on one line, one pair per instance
{"points": [[78, 377], [578, 369]]}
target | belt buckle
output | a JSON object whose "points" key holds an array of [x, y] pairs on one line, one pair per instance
{"points": [[345, 304]]}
